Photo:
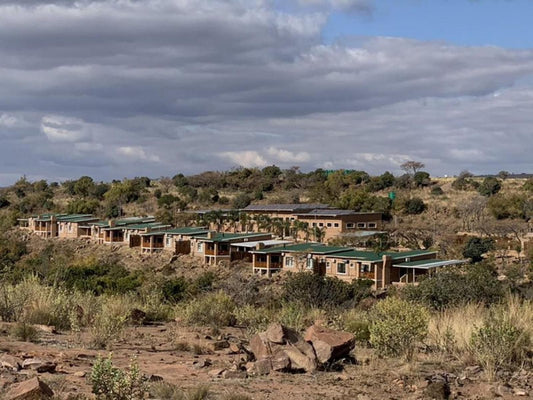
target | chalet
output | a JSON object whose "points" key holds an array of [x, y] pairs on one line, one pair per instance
{"points": [[53, 225], [75, 226], [243, 250], [325, 224], [386, 268], [99, 227], [130, 234], [176, 241], [214, 247], [296, 257]]}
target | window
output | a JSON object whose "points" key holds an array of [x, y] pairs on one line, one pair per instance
{"points": [[350, 225], [336, 224], [314, 224], [168, 241], [320, 224], [289, 262], [310, 263], [69, 227], [372, 225], [365, 268], [329, 224], [328, 265], [200, 247], [361, 225], [341, 268]]}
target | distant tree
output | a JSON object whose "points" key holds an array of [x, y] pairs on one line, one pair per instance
{"points": [[476, 247], [503, 174], [437, 191], [83, 206], [421, 178], [4, 202], [404, 181], [489, 187], [412, 167], [180, 180], [271, 172], [83, 186], [462, 182]]}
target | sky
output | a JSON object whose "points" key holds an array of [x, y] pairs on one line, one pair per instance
{"points": [[124, 88]]}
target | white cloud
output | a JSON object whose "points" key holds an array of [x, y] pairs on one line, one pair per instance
{"points": [[8, 121], [64, 129], [244, 158], [286, 156], [136, 153]]}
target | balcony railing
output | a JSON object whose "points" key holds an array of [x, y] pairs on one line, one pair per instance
{"points": [[366, 275], [263, 264]]}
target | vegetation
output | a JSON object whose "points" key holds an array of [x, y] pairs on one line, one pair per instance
{"points": [[111, 383], [397, 326]]}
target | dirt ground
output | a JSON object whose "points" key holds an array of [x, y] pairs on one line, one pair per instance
{"points": [[154, 348]]}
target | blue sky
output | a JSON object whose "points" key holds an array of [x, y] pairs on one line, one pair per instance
{"points": [[506, 23]]}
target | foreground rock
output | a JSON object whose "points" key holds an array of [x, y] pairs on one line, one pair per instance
{"points": [[32, 389], [329, 345], [282, 349]]}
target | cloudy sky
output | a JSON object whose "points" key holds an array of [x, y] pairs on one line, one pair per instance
{"points": [[123, 88]]}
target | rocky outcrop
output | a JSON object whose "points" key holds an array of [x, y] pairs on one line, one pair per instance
{"points": [[32, 389], [329, 345], [283, 349]]}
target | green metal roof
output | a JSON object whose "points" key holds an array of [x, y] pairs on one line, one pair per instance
{"points": [[138, 226], [228, 237], [78, 219], [188, 230], [315, 248], [406, 254], [359, 255]]}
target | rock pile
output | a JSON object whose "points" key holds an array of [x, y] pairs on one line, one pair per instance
{"points": [[283, 349]]}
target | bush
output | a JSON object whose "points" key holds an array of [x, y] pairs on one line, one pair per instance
{"points": [[489, 187], [437, 191], [498, 343], [414, 206], [255, 319], [315, 291], [214, 310], [25, 332], [109, 323], [111, 383], [397, 326], [476, 247], [456, 286], [241, 201]]}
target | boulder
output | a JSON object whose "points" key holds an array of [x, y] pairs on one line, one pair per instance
{"points": [[32, 389], [9, 362], [329, 345], [275, 334], [260, 346]]}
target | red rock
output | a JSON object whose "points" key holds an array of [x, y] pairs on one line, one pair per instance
{"points": [[329, 344], [32, 389], [275, 334], [260, 346], [262, 367]]}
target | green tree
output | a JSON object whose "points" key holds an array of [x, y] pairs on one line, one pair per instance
{"points": [[84, 186], [476, 247], [414, 205], [489, 187]]}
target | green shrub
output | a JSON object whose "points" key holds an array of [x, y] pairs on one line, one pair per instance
{"points": [[498, 343], [214, 310], [358, 323], [255, 319], [437, 191], [174, 289], [110, 322], [111, 383], [476, 247], [414, 206], [489, 187], [397, 326], [455, 286], [25, 332], [315, 291]]}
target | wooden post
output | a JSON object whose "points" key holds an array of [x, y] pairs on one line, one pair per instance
{"points": [[268, 266], [151, 244]]}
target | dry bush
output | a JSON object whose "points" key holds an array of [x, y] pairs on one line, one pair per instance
{"points": [[110, 322], [214, 310]]}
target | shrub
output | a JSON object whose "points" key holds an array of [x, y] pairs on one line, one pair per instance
{"points": [[397, 326], [214, 310], [414, 206], [476, 247], [255, 319], [437, 191], [498, 343], [241, 201], [356, 322], [25, 332], [455, 286], [111, 383], [109, 323], [174, 289], [315, 291], [490, 186]]}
